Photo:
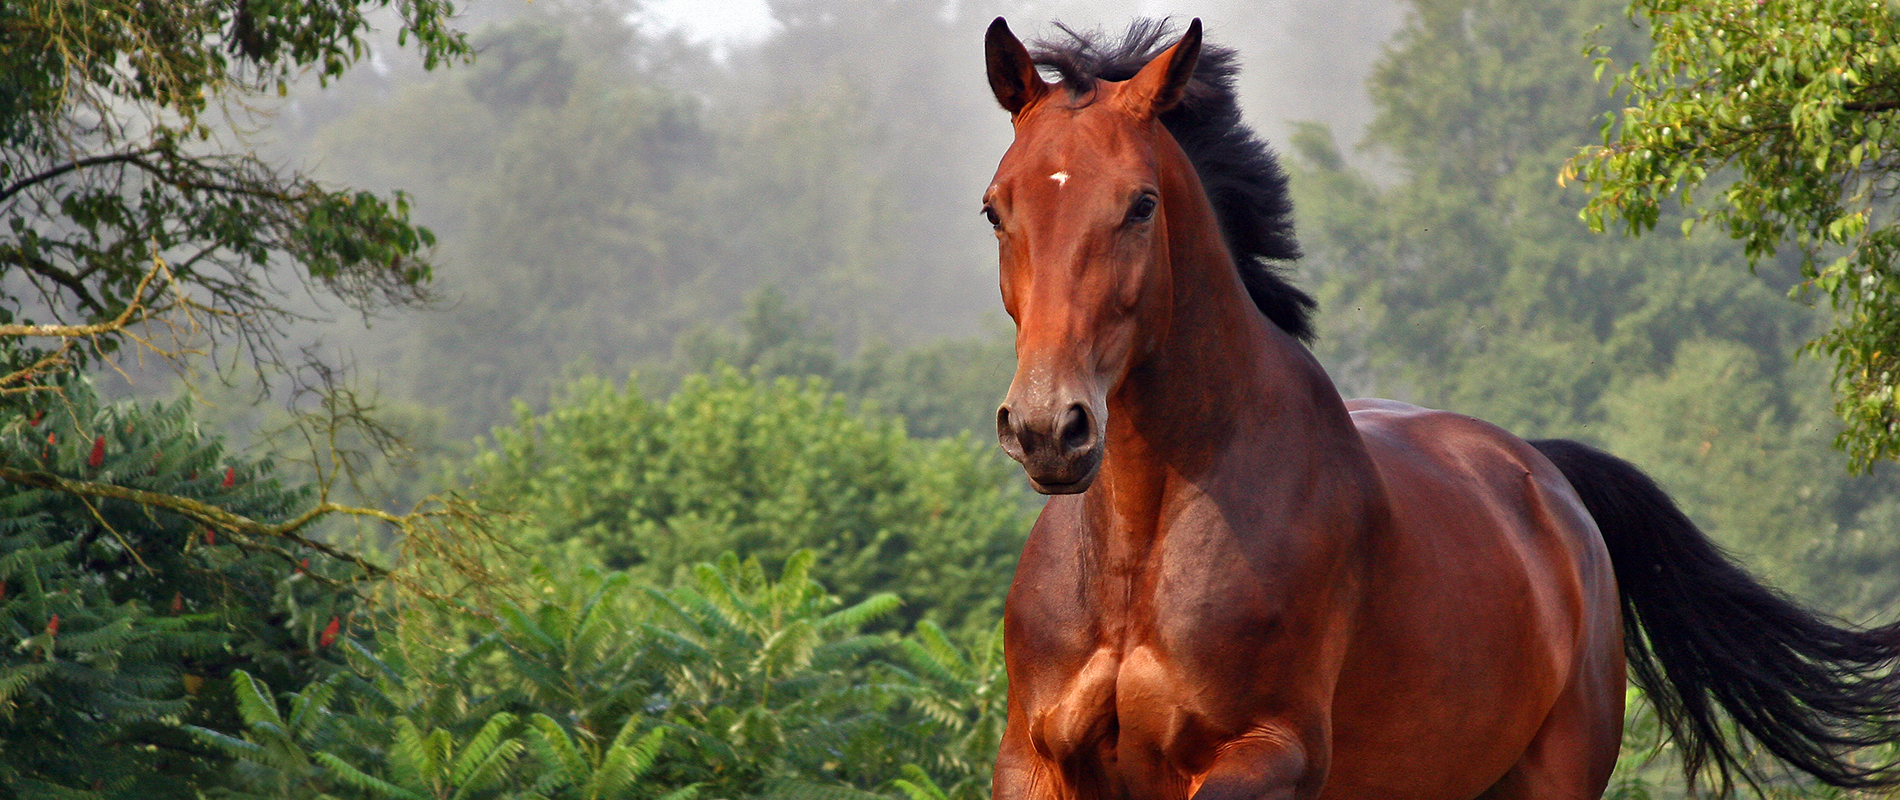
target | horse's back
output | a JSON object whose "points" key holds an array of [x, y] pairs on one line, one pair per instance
{"points": [[1491, 614]]}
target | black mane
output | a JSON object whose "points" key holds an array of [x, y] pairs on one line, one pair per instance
{"points": [[1242, 177]]}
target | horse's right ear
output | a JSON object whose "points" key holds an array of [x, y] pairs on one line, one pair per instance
{"points": [[1013, 75]]}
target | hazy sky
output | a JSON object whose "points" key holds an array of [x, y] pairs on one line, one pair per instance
{"points": [[1305, 59], [714, 20], [728, 20]]}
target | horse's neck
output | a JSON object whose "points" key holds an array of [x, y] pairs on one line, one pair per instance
{"points": [[1225, 391]]}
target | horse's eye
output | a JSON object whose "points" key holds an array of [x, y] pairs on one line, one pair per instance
{"points": [[990, 214], [1143, 209]]}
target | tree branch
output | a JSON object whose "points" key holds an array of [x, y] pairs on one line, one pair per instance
{"points": [[210, 515], [75, 331], [41, 266], [180, 179], [1872, 105], [22, 184]]}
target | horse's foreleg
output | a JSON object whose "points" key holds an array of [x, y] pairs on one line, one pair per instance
{"points": [[1272, 765], [1021, 774]]}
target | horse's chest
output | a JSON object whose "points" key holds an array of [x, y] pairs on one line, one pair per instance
{"points": [[1136, 671], [1128, 712]]}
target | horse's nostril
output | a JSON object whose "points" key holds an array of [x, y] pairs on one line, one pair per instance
{"points": [[1076, 431], [1006, 429]]}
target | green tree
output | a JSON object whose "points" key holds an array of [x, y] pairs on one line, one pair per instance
{"points": [[136, 213], [1782, 116], [1717, 421], [764, 468], [569, 186], [124, 621], [127, 197]]}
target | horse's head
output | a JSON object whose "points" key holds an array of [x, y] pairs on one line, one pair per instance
{"points": [[1080, 208]]}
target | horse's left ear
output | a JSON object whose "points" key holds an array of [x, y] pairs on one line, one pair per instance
{"points": [[1162, 83]]}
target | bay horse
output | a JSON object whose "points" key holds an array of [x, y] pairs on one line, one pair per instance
{"points": [[1244, 588]]}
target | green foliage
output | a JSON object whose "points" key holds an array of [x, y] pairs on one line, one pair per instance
{"points": [[741, 684], [968, 696], [766, 679], [764, 468], [124, 621], [1784, 112], [282, 755], [776, 339], [1467, 283], [1649, 768], [939, 389], [112, 159]]}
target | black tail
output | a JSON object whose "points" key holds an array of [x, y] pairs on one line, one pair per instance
{"points": [[1700, 632]]}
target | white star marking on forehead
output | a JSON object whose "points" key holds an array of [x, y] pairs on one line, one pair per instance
{"points": [[1061, 179]]}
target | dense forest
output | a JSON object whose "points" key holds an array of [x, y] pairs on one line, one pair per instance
{"points": [[623, 429]]}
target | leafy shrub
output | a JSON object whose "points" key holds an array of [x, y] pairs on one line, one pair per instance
{"points": [[735, 685], [764, 469], [123, 621]]}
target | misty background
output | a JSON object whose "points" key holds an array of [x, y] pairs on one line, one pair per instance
{"points": [[633, 191], [608, 178]]}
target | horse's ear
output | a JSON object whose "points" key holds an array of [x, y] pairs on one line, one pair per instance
{"points": [[1162, 83], [1013, 75]]}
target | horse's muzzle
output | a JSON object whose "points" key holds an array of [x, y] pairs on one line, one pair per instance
{"points": [[1059, 447]]}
